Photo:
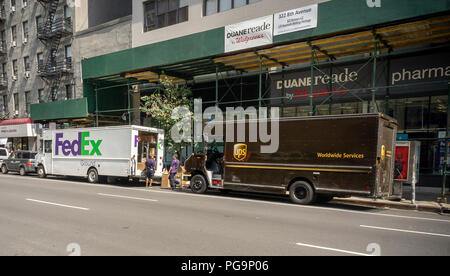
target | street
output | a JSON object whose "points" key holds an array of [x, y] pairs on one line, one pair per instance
{"points": [[54, 216]]}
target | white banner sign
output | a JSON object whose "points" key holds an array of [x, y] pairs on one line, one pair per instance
{"points": [[249, 34], [13, 131], [296, 20]]}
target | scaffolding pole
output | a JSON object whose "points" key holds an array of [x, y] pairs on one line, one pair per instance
{"points": [[96, 106], [217, 86], [374, 78], [443, 199], [311, 93], [260, 82]]}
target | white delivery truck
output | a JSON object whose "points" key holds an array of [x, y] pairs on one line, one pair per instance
{"points": [[97, 153]]}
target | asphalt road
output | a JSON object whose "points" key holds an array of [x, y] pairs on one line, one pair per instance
{"points": [[60, 217]]}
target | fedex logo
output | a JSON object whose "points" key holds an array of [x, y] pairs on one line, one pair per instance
{"points": [[77, 147]]}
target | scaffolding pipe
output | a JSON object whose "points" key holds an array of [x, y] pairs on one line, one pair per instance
{"points": [[96, 106], [374, 78], [260, 82], [311, 99]]}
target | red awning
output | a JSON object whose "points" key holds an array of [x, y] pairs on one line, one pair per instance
{"points": [[20, 121]]}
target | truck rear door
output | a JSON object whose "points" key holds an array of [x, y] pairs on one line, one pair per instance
{"points": [[385, 170]]}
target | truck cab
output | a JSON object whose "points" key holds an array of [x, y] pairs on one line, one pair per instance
{"points": [[206, 169]]}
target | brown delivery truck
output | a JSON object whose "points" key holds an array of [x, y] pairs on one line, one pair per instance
{"points": [[318, 158]]}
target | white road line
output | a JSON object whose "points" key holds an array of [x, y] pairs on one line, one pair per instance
{"points": [[237, 199], [129, 197], [405, 231], [334, 249], [57, 204]]}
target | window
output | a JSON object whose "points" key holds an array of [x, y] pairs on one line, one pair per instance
{"points": [[41, 95], [5, 103], [67, 12], [26, 63], [40, 59], [14, 67], [48, 146], [3, 153], [14, 33], [25, 31], [16, 101], [69, 94], [4, 72], [3, 39], [163, 13], [68, 51], [39, 22], [214, 6], [27, 102]]}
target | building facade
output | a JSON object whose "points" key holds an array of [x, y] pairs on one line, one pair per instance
{"points": [[306, 57], [42, 46]]}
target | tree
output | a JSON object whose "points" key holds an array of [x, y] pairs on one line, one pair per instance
{"points": [[160, 104]]}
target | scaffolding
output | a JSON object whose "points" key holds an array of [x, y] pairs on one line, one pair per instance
{"points": [[370, 47]]}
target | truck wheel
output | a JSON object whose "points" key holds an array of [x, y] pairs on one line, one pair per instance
{"points": [[22, 171], [302, 193], [93, 176], [41, 172], [199, 184], [4, 169]]}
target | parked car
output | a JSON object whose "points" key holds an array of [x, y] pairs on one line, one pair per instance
{"points": [[23, 162], [4, 154]]}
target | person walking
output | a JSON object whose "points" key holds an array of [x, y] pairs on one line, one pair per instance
{"points": [[173, 171], [150, 169]]}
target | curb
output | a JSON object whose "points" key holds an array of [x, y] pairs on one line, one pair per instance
{"points": [[435, 208]]}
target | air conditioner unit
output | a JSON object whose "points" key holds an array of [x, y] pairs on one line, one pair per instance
{"points": [[16, 113], [14, 77], [27, 74], [25, 4], [12, 9], [25, 40], [13, 44]]}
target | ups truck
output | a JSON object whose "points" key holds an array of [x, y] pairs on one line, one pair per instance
{"points": [[318, 158]]}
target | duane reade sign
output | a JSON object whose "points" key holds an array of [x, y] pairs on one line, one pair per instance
{"points": [[249, 34], [296, 20]]}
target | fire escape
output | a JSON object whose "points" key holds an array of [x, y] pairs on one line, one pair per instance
{"points": [[4, 112], [3, 47], [50, 32]]}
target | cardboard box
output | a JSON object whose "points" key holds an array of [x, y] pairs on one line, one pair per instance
{"points": [[165, 183]]}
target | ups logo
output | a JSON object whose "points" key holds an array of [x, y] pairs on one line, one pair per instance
{"points": [[240, 152]]}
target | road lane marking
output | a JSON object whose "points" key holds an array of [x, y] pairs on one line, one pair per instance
{"points": [[128, 197], [234, 199], [57, 204], [334, 250], [405, 231]]}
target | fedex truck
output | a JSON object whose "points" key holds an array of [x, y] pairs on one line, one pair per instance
{"points": [[97, 153]]}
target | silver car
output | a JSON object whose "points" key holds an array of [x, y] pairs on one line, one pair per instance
{"points": [[23, 162]]}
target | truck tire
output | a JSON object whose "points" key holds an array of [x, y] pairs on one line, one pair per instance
{"points": [[302, 192], [22, 171], [4, 169], [92, 176], [41, 171], [199, 184]]}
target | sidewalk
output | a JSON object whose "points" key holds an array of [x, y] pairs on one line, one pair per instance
{"points": [[425, 201]]}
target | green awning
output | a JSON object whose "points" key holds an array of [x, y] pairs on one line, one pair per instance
{"points": [[70, 109]]}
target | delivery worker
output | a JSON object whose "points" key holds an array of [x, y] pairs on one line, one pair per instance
{"points": [[150, 169], [173, 171]]}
